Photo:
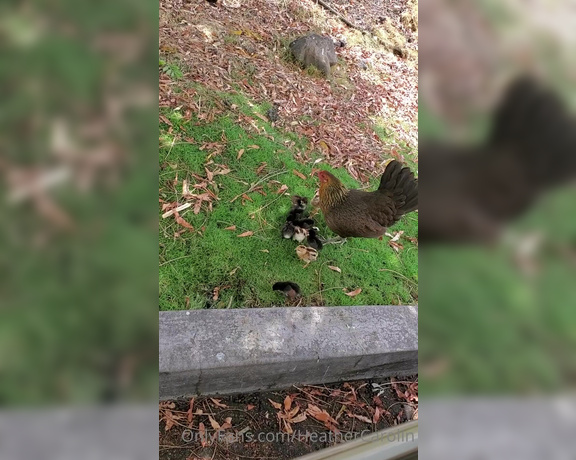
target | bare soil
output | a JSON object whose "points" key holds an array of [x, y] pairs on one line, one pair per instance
{"points": [[251, 427]]}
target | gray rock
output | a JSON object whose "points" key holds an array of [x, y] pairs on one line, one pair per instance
{"points": [[315, 50]]}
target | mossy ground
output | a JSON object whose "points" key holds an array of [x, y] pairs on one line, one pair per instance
{"points": [[195, 264]]}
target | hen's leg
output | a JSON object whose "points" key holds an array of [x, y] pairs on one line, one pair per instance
{"points": [[337, 240]]}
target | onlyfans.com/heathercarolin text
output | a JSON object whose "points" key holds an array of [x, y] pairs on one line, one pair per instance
{"points": [[190, 436]]}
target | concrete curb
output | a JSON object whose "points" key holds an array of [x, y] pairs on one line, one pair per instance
{"points": [[244, 350]]}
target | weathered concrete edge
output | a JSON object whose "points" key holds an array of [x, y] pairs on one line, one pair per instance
{"points": [[232, 351]]}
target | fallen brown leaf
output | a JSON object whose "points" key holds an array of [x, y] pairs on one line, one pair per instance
{"points": [[299, 174], [287, 403], [169, 418], [336, 269], [182, 222], [248, 233], [214, 423], [217, 403], [202, 431], [197, 206], [299, 418], [377, 415], [222, 172], [240, 153], [287, 428], [232, 227], [362, 418], [226, 425], [275, 404], [322, 416], [354, 293], [190, 411]]}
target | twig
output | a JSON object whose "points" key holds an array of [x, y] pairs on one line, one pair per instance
{"points": [[266, 205], [166, 446], [399, 274], [342, 18], [406, 382], [253, 186], [171, 147], [177, 258], [329, 289], [310, 394]]}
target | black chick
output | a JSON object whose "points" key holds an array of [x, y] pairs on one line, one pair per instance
{"points": [[294, 215], [304, 223], [288, 230], [294, 223], [299, 202], [313, 239], [290, 289]]}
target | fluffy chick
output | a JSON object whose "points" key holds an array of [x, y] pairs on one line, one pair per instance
{"points": [[304, 223], [299, 202], [300, 234], [313, 239], [306, 254], [290, 289], [288, 230]]}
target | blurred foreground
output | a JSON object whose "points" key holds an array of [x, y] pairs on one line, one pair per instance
{"points": [[497, 217], [78, 257], [497, 168]]}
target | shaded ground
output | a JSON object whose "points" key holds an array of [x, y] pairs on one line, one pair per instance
{"points": [[290, 423], [245, 49]]}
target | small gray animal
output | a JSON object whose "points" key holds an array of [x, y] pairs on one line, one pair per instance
{"points": [[315, 50]]}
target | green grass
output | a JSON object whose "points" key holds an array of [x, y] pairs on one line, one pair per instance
{"points": [[197, 262], [499, 330], [171, 69]]}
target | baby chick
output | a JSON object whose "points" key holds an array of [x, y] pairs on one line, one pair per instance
{"points": [[290, 289], [299, 234], [288, 230], [304, 223], [313, 239], [299, 202], [306, 254]]}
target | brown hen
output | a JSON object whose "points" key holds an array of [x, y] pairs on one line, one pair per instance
{"points": [[355, 213]]}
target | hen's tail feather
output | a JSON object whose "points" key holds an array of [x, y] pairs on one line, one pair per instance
{"points": [[401, 183], [533, 123]]}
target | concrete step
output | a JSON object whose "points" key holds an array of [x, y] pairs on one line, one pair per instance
{"points": [[245, 350]]}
